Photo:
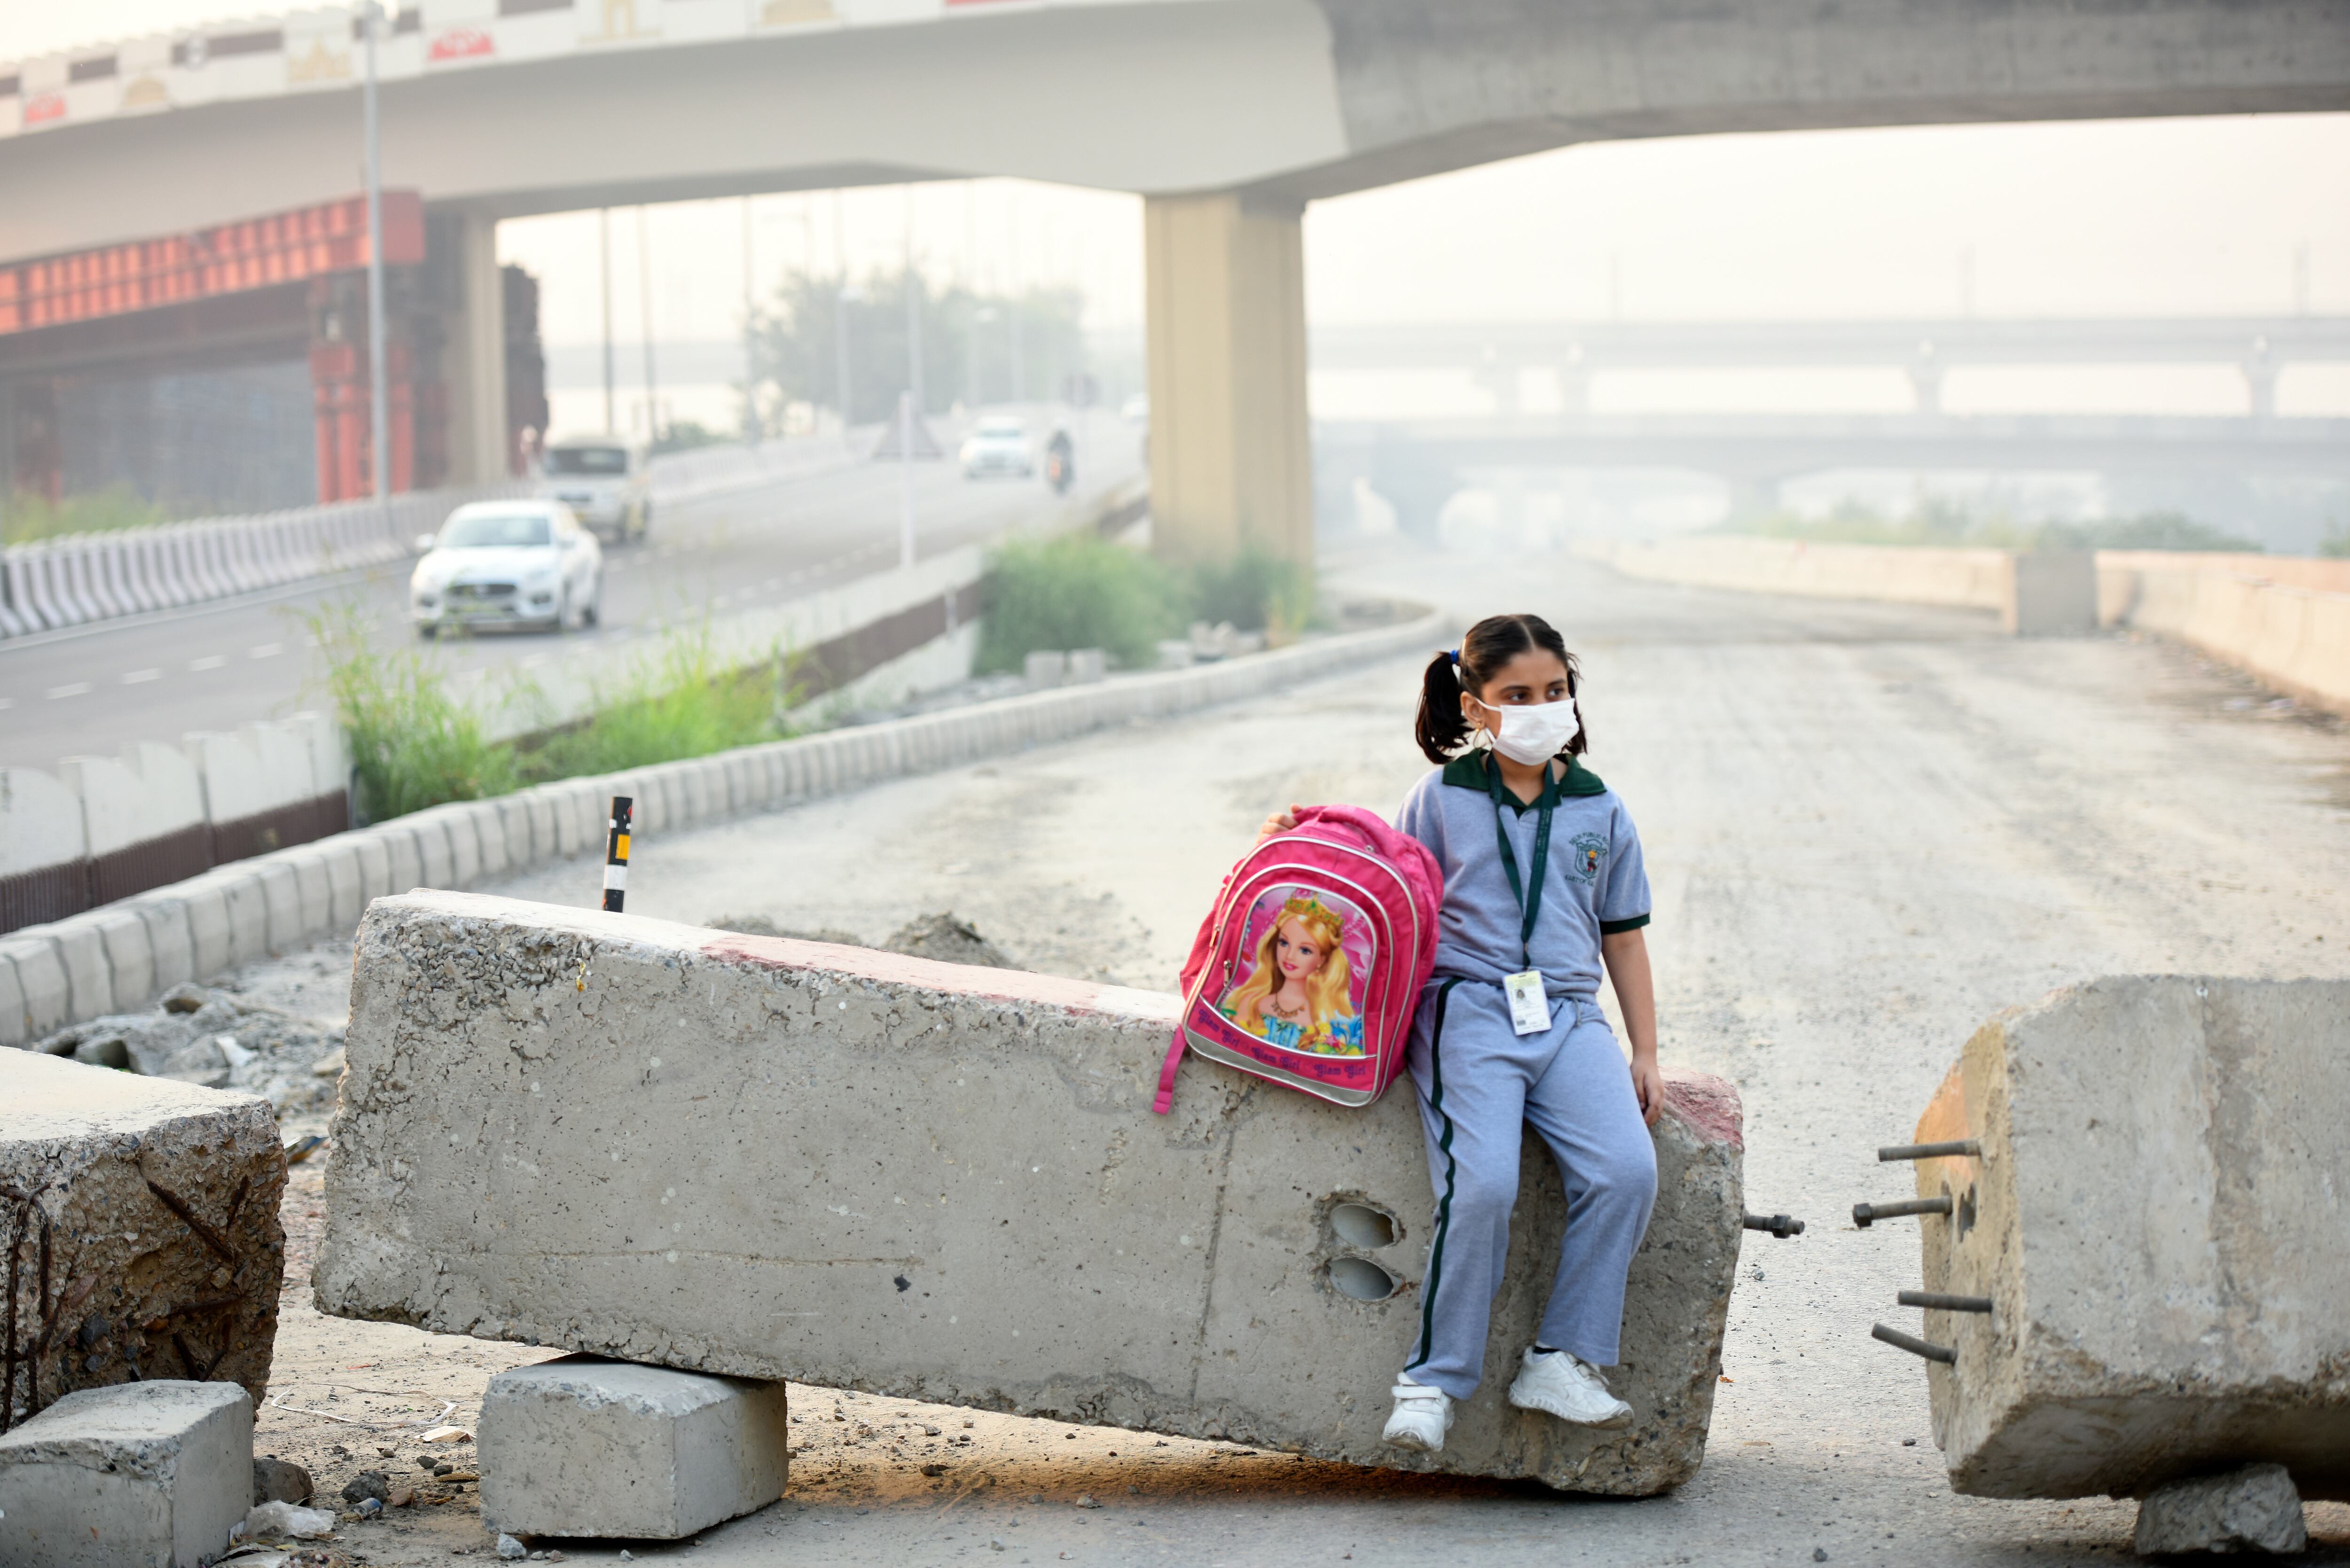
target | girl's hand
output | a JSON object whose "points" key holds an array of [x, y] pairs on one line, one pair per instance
{"points": [[1648, 1083], [1279, 822]]}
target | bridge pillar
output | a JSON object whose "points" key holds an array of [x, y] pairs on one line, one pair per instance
{"points": [[473, 363], [1230, 451]]}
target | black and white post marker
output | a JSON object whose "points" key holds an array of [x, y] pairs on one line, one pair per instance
{"points": [[615, 853]]}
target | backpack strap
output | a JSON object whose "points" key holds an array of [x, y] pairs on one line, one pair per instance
{"points": [[1166, 1100]]}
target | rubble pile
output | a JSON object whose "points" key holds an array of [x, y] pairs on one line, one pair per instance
{"points": [[218, 1039]]}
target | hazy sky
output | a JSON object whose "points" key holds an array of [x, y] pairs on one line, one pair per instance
{"points": [[2189, 216]]}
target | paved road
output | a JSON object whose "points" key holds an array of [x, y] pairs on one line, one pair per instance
{"points": [[89, 690], [1869, 827]]}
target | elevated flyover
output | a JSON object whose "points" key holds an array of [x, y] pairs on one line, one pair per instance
{"points": [[1227, 115]]}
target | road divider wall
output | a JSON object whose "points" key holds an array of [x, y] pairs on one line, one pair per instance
{"points": [[963, 1196], [104, 828], [2284, 619], [120, 957]]}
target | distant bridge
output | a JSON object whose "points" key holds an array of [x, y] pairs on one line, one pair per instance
{"points": [[1418, 463], [1925, 348]]}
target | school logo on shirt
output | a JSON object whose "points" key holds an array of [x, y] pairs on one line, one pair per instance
{"points": [[1590, 848]]}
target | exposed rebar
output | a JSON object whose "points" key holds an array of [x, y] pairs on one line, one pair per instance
{"points": [[1914, 1345], [1939, 1300], [1965, 1146], [1864, 1214]]}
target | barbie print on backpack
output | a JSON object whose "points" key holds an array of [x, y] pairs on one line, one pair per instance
{"points": [[1544, 892]]}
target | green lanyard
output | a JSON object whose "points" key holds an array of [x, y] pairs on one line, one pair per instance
{"points": [[1530, 909]]}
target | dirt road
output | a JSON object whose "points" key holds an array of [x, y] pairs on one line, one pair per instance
{"points": [[1868, 829]]}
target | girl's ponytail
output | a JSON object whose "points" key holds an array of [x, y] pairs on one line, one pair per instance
{"points": [[1439, 729]]}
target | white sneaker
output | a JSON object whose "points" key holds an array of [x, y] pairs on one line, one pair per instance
{"points": [[1557, 1384], [1422, 1416]]}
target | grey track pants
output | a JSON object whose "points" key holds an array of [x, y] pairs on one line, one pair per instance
{"points": [[1480, 1083]]}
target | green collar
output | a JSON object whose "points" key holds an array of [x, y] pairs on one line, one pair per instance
{"points": [[1467, 770]]}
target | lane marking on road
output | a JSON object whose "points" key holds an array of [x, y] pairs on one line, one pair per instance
{"points": [[141, 677], [209, 661], [74, 689], [266, 650]]}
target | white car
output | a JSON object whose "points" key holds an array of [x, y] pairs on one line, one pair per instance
{"points": [[998, 445], [602, 479], [508, 563]]}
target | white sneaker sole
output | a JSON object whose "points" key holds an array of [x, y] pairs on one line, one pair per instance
{"points": [[1620, 1416], [1413, 1442]]}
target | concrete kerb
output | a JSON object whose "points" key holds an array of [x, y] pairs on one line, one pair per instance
{"points": [[130, 956], [237, 914], [16, 1027], [170, 940]]}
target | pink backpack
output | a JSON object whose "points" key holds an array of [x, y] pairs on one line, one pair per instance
{"points": [[1307, 970]]}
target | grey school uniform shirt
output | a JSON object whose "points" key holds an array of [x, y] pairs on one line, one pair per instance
{"points": [[1595, 884]]}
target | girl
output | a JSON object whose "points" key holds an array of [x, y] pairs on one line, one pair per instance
{"points": [[1543, 886], [1296, 995]]}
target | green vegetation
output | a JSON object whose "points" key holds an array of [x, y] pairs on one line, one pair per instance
{"points": [[25, 516], [968, 344], [2336, 544], [414, 744], [686, 435], [679, 703], [1079, 591], [1938, 521]]}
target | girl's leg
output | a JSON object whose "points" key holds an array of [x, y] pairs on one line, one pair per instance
{"points": [[1584, 1108], [1473, 1088]]}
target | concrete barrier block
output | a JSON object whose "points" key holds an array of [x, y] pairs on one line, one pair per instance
{"points": [[130, 957], [464, 844], [436, 864], [171, 941], [346, 879], [2157, 1217], [245, 892], [2054, 594], [375, 865], [160, 1197], [15, 1024], [314, 888], [89, 979], [693, 783], [281, 890], [583, 1446], [514, 818], [150, 1473], [984, 1136], [405, 865], [41, 981], [490, 836], [211, 936]]}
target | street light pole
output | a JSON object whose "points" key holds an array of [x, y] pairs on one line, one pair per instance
{"points": [[604, 234], [380, 453]]}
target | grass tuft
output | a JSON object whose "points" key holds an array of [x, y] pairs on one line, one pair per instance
{"points": [[412, 744], [25, 516], [1081, 591]]}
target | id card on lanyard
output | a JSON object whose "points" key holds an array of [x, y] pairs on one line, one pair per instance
{"points": [[1529, 1002]]}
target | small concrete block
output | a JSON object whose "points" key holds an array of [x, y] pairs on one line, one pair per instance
{"points": [[245, 891], [583, 1446], [375, 865], [1088, 666], [89, 979], [465, 845], [130, 956], [168, 941], [523, 847], [155, 1474], [346, 880], [399, 840], [158, 1199], [315, 887], [204, 903], [47, 997], [2053, 593], [14, 1028], [281, 892], [490, 830], [437, 867], [696, 783], [1044, 669], [2254, 1509]]}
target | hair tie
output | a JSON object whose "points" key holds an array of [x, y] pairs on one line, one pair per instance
{"points": [[1454, 654]]}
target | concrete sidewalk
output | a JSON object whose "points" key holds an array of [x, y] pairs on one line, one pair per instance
{"points": [[1868, 829]]}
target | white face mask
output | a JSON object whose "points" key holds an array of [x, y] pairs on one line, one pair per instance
{"points": [[1534, 732]]}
